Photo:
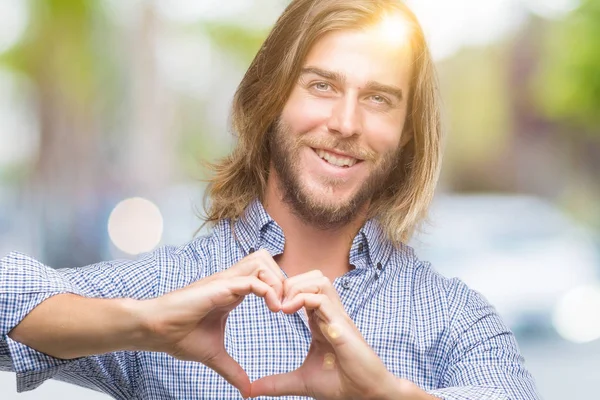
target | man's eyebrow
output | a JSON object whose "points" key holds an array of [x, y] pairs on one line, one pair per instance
{"points": [[389, 89], [340, 78], [331, 75]]}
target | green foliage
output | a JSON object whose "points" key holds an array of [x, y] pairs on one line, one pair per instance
{"points": [[568, 86], [59, 45], [197, 144], [242, 43], [477, 105]]}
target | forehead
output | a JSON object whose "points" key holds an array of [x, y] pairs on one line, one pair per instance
{"points": [[363, 56]]}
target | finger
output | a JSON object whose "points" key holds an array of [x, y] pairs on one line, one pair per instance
{"points": [[344, 344], [325, 317], [340, 333], [295, 280], [290, 384], [228, 292], [315, 285], [245, 285], [228, 368], [272, 279], [313, 302], [265, 259], [315, 273], [261, 265], [328, 361]]}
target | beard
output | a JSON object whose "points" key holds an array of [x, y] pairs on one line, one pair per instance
{"points": [[285, 148]]}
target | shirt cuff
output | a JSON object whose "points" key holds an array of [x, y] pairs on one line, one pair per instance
{"points": [[469, 393], [24, 284], [32, 367]]}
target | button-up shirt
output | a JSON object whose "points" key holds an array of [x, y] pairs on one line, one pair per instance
{"points": [[431, 330]]}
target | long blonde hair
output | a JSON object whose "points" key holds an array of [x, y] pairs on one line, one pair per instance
{"points": [[260, 98]]}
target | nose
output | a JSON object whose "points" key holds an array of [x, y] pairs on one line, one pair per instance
{"points": [[345, 119]]}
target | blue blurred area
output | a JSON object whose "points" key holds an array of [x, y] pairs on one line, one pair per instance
{"points": [[520, 251]]}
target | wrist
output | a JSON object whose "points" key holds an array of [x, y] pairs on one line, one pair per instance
{"points": [[386, 388], [407, 390], [138, 325], [395, 388]]}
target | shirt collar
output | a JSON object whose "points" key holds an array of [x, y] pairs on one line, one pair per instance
{"points": [[256, 229], [371, 241]]}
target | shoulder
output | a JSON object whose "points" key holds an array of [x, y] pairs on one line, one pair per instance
{"points": [[199, 249], [430, 288], [201, 257]]}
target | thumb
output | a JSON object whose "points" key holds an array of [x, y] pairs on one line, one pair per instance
{"points": [[289, 384], [228, 368]]}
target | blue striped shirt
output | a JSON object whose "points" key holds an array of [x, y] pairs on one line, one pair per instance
{"points": [[431, 330]]}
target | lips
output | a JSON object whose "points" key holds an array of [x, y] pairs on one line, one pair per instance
{"points": [[336, 159]]}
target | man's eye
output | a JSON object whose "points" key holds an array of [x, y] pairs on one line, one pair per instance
{"points": [[322, 86], [379, 99]]}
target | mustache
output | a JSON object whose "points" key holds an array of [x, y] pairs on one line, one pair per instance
{"points": [[346, 146], [349, 147]]}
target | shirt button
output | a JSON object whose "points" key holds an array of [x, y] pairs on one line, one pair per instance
{"points": [[360, 247], [251, 250], [346, 284], [379, 267]]}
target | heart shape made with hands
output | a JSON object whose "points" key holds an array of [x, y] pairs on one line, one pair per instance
{"points": [[339, 364], [317, 376]]}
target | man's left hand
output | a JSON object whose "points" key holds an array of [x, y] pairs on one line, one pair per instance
{"points": [[339, 364]]}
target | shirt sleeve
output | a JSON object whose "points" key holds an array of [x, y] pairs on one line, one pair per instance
{"points": [[485, 362], [25, 283]]}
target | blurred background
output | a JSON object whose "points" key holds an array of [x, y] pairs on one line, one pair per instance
{"points": [[107, 109]]}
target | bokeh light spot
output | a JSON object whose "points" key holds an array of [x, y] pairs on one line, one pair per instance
{"points": [[135, 226], [577, 314]]}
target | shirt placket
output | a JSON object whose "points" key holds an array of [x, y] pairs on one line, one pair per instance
{"points": [[354, 288]]}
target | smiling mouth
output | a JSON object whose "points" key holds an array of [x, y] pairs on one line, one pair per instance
{"points": [[336, 159]]}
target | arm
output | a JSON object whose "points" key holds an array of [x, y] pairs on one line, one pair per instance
{"points": [[75, 326], [26, 284], [485, 361], [187, 323]]}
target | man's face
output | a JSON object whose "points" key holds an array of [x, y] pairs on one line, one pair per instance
{"points": [[338, 137]]}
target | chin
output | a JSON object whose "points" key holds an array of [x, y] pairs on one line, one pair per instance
{"points": [[332, 202], [325, 195]]}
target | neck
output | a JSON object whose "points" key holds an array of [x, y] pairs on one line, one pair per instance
{"points": [[307, 247]]}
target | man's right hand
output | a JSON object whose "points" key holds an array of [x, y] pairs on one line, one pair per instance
{"points": [[189, 323]]}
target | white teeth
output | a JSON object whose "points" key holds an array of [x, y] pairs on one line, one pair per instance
{"points": [[338, 161]]}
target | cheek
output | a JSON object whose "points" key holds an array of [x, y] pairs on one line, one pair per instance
{"points": [[304, 114], [383, 131], [384, 138]]}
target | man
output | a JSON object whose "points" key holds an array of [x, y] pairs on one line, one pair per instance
{"points": [[337, 159]]}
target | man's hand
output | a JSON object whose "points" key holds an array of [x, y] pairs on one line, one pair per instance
{"points": [[340, 364], [189, 323]]}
